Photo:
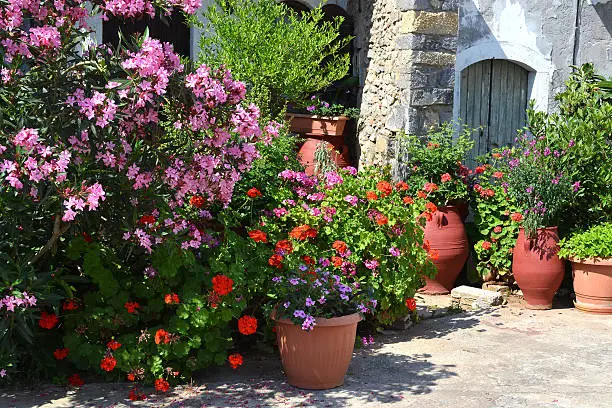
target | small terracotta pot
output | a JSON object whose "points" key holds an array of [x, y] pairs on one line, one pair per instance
{"points": [[306, 155], [313, 125], [446, 234], [537, 269], [319, 359], [593, 285]]}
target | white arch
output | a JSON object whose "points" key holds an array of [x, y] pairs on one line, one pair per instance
{"points": [[314, 3], [539, 66]]}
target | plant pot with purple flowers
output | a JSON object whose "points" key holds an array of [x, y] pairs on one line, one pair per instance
{"points": [[538, 184]]}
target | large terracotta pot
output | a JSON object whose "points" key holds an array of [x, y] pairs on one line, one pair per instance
{"points": [[446, 234], [537, 269], [306, 155], [319, 359], [593, 285], [312, 125]]}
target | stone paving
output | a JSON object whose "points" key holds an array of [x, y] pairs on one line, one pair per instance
{"points": [[501, 357]]}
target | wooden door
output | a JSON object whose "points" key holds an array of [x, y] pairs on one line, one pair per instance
{"points": [[172, 29], [493, 99]]}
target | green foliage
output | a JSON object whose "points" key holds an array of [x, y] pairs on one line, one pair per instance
{"points": [[280, 55], [316, 106], [596, 242], [427, 159], [583, 120]]}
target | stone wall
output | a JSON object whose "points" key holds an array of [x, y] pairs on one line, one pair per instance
{"points": [[404, 57]]}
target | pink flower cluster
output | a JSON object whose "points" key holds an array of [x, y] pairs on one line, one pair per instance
{"points": [[88, 198], [10, 302]]}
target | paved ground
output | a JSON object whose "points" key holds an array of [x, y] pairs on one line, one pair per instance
{"points": [[507, 357]]}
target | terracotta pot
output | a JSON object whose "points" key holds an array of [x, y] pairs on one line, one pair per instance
{"points": [[446, 234], [537, 269], [312, 125], [319, 359], [593, 285], [306, 155]]}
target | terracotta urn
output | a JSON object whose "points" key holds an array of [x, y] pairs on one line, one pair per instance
{"points": [[537, 269], [446, 234], [306, 155], [317, 359], [593, 285]]}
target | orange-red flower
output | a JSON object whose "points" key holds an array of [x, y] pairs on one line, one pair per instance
{"points": [[303, 232], [147, 219], [431, 145], [254, 193], [431, 207], [61, 354], [113, 345], [75, 380], [247, 325], [258, 236], [108, 363], [381, 219], [69, 305], [162, 336], [426, 245], [131, 307], [48, 320], [276, 261], [486, 245], [340, 246], [498, 174], [171, 298], [430, 187], [408, 200], [371, 196], [285, 246], [411, 304], [433, 255], [308, 260], [421, 194], [162, 385], [137, 396], [384, 187], [479, 169], [497, 229], [197, 201], [401, 186], [445, 178], [131, 377], [222, 285], [496, 156], [235, 360], [517, 217], [336, 261]]}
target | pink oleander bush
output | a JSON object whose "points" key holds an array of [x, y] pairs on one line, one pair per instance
{"points": [[113, 164]]}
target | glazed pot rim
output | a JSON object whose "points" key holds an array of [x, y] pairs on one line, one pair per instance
{"points": [[304, 115], [592, 261], [323, 322]]}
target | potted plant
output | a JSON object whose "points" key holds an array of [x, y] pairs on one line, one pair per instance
{"points": [[590, 253], [434, 171], [539, 186], [316, 315]]}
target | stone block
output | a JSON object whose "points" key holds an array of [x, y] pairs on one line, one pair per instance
{"points": [[396, 120], [427, 42], [426, 22], [432, 96], [503, 290], [469, 298], [433, 58], [450, 5]]}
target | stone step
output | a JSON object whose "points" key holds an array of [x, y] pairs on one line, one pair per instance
{"points": [[469, 298]]}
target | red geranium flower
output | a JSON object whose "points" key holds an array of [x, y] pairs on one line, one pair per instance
{"points": [[517, 217], [384, 187], [61, 354], [75, 380], [303, 232], [308, 260], [401, 186], [48, 320], [137, 396], [497, 156], [336, 261], [498, 174], [222, 285], [162, 385], [131, 377], [430, 187], [285, 246], [497, 229], [131, 306], [445, 178], [247, 325], [411, 304], [235, 360], [108, 363], [258, 236], [87, 237], [480, 169], [162, 336], [408, 200], [197, 201], [69, 305], [340, 246], [433, 254], [171, 298], [431, 207], [276, 261], [147, 219], [381, 219], [371, 196], [113, 345], [254, 193], [421, 194], [431, 145], [486, 245]]}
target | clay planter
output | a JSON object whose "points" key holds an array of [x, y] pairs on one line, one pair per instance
{"points": [[319, 359], [537, 269], [312, 125], [446, 234], [593, 285], [306, 155]]}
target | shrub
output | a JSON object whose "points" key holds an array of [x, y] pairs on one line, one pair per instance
{"points": [[280, 55], [596, 242]]}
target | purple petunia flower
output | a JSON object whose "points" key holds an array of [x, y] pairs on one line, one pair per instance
{"points": [[277, 279], [352, 200], [576, 186], [311, 108], [294, 281], [286, 304], [309, 302], [299, 314], [371, 264], [309, 323]]}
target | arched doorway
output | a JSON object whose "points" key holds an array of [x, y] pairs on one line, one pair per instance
{"points": [[170, 29], [493, 99], [297, 6]]}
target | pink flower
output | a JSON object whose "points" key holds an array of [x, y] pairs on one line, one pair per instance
{"points": [[445, 178]]}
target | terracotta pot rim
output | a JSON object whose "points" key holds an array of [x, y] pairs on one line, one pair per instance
{"points": [[592, 261], [323, 322], [543, 229], [304, 115]]}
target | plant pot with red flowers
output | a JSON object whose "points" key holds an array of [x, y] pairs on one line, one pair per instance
{"points": [[538, 185], [433, 170], [590, 253]]}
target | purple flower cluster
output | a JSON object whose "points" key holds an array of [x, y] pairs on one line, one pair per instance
{"points": [[10, 302]]}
